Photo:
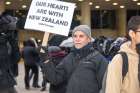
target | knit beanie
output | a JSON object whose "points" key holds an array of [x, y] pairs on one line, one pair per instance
{"points": [[83, 28]]}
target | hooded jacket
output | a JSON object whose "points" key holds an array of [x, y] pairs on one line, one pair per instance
{"points": [[114, 82]]}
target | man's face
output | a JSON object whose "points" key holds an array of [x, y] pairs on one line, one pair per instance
{"points": [[137, 36], [80, 39], [136, 40]]}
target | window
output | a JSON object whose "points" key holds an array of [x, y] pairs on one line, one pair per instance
{"points": [[76, 19], [103, 19], [131, 13]]}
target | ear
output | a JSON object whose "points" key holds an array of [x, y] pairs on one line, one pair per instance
{"points": [[132, 34], [89, 39]]}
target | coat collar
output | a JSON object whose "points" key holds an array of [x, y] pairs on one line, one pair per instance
{"points": [[83, 52]]}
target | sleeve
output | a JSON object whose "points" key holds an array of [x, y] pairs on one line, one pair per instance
{"points": [[55, 75], [35, 55], [114, 75], [35, 52], [101, 69]]}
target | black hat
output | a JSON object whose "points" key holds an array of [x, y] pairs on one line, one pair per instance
{"points": [[134, 23]]}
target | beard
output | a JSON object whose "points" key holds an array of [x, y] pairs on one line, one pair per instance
{"points": [[138, 48]]}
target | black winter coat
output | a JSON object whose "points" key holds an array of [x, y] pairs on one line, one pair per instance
{"points": [[30, 55], [88, 75], [6, 77], [61, 74]]}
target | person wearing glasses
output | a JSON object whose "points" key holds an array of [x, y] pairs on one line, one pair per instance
{"points": [[115, 83]]}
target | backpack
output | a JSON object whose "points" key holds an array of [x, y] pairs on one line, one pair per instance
{"points": [[124, 71]]}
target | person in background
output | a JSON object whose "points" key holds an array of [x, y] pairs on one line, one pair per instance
{"points": [[55, 54], [81, 55], [115, 83], [31, 58]]}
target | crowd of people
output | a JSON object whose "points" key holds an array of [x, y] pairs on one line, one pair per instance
{"points": [[84, 67]]}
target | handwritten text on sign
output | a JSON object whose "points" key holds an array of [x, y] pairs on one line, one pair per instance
{"points": [[51, 16]]}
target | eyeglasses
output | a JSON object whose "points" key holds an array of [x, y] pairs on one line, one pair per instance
{"points": [[136, 31]]}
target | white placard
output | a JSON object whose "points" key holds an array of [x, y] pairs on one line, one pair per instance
{"points": [[50, 16]]}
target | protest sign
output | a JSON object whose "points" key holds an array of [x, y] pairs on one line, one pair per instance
{"points": [[50, 16]]}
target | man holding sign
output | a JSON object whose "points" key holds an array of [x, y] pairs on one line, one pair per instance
{"points": [[78, 70]]}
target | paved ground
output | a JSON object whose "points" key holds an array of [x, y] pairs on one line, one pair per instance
{"points": [[20, 80]]}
